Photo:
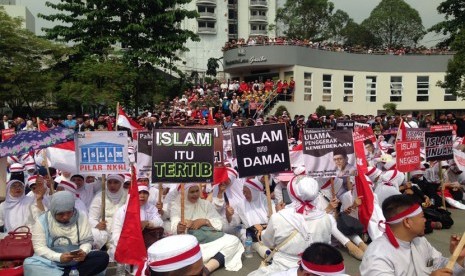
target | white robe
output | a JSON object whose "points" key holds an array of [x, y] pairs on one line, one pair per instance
{"points": [[14, 215], [88, 191], [384, 191], [279, 229], [101, 237], [416, 258], [228, 245]]}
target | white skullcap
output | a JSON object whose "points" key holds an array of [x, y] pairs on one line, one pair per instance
{"points": [[173, 253], [16, 167], [31, 180], [373, 173], [68, 186], [31, 165], [299, 170], [254, 183], [141, 188], [117, 177], [127, 177], [303, 188], [390, 165], [394, 177]]}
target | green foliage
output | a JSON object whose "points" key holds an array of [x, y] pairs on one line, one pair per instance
{"points": [[395, 23], [357, 35], [25, 61], [339, 21], [454, 12], [321, 110], [306, 19], [390, 108], [212, 65], [338, 113], [280, 110]]}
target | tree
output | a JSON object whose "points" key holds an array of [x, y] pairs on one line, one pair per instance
{"points": [[357, 35], [390, 108], [280, 110], [454, 29], [321, 110], [25, 61], [338, 113], [395, 23], [212, 65], [306, 19], [337, 23]]}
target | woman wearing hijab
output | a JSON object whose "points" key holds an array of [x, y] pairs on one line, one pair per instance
{"points": [[149, 217], [71, 230], [115, 197], [296, 227], [253, 213], [226, 250], [15, 210]]}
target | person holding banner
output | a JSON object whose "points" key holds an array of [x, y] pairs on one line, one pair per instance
{"points": [[403, 249], [201, 219], [296, 227], [115, 197]]}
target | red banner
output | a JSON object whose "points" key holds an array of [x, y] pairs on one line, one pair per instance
{"points": [[443, 128], [8, 133], [408, 156], [362, 133]]}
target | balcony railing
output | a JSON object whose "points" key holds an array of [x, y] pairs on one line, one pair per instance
{"points": [[258, 32], [258, 3], [258, 18], [207, 15]]}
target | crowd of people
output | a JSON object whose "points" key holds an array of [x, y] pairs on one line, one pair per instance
{"points": [[335, 47]]}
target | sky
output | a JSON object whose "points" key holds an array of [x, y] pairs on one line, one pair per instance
{"points": [[357, 9]]}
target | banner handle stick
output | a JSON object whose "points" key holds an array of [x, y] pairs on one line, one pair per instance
{"points": [[182, 203], [160, 192], [333, 192], [103, 196], [45, 162], [456, 253], [116, 116], [442, 184], [268, 195]]}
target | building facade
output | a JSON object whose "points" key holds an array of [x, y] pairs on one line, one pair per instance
{"points": [[221, 21], [354, 83], [23, 12]]}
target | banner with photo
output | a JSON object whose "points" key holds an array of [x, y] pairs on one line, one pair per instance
{"points": [[181, 155], [329, 153], [438, 145], [144, 154], [261, 149], [408, 156], [102, 152], [459, 158]]}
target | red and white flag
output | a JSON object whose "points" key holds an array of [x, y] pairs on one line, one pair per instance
{"points": [[296, 155], [131, 247], [369, 212], [125, 121]]}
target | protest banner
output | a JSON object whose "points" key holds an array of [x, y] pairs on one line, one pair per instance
{"points": [[227, 143], [102, 152], [261, 149], [416, 134], [364, 133], [345, 124], [329, 153], [459, 158], [144, 154], [408, 156], [181, 155], [217, 143], [8, 133], [438, 145]]}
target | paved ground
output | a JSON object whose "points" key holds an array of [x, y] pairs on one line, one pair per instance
{"points": [[439, 239]]}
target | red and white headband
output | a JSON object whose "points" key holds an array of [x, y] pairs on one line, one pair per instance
{"points": [[323, 270], [178, 261], [412, 211]]}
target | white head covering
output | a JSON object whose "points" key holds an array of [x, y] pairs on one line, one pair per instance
{"points": [[115, 197], [69, 186], [255, 211], [31, 180], [394, 177], [373, 173], [173, 253], [16, 167], [16, 209], [234, 190], [303, 191]]}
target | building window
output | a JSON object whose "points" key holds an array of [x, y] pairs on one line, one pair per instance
{"points": [[396, 89], [327, 88], [371, 89], [207, 9], [448, 96], [258, 12], [348, 89], [206, 25], [308, 87], [422, 88]]}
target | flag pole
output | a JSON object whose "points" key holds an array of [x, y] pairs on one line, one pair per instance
{"points": [[456, 254], [45, 163], [333, 192], [441, 181], [182, 203], [160, 192], [116, 116], [268, 195], [102, 214]]}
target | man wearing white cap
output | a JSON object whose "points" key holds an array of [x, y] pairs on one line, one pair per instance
{"points": [[403, 250], [296, 227], [115, 197], [176, 255], [318, 259]]}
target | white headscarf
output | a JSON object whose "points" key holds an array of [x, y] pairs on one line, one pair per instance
{"points": [[234, 189], [16, 209], [255, 211], [115, 198]]}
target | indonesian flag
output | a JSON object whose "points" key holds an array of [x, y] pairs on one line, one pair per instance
{"points": [[296, 155], [369, 212], [220, 174], [125, 121], [211, 121], [401, 132], [131, 247]]}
